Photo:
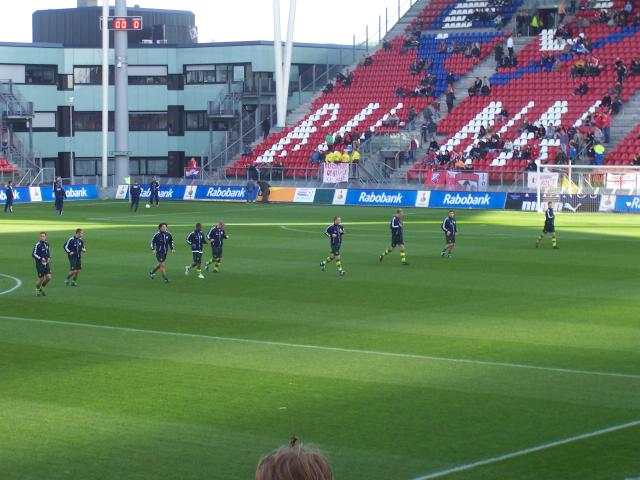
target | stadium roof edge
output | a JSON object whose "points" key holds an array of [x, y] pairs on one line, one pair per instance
{"points": [[184, 45], [136, 9]]}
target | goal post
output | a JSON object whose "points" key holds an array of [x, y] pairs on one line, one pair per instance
{"points": [[591, 183]]}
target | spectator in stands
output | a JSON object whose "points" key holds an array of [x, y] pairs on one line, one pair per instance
{"points": [[635, 67], [348, 80], [386, 45], [582, 89], [329, 141], [400, 93], [536, 24], [368, 60], [475, 50], [616, 105], [337, 140], [628, 7], [510, 44], [474, 90], [451, 78], [562, 11], [413, 149], [246, 152], [620, 70], [532, 166], [340, 77], [636, 160], [593, 67], [411, 116], [328, 88], [252, 172], [393, 120], [573, 152], [485, 90], [579, 68], [450, 98], [563, 137], [266, 127], [468, 164], [316, 157], [547, 61], [498, 51], [503, 115], [598, 153], [345, 157], [616, 89]]}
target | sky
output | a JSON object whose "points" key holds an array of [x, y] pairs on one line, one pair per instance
{"points": [[317, 21]]}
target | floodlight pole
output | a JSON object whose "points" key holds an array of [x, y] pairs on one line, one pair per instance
{"points": [[105, 92], [121, 46], [288, 52], [277, 48]]}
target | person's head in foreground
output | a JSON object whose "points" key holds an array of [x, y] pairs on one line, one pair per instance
{"points": [[294, 462]]}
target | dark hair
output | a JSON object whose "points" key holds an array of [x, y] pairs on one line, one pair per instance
{"points": [[161, 224], [294, 462], [335, 218], [198, 225], [78, 230], [43, 233]]}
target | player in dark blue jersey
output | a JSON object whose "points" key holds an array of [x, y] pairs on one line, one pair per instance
{"points": [[397, 237], [155, 191], [450, 228], [134, 193], [59, 194], [549, 227], [196, 241], [335, 232], [161, 243], [74, 247], [41, 254], [216, 236], [8, 192]]}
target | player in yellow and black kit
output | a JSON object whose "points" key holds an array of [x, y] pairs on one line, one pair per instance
{"points": [[549, 227], [397, 237]]}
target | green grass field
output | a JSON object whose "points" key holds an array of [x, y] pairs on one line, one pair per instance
{"points": [[395, 372]]}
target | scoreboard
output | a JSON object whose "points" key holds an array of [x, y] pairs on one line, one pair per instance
{"points": [[120, 24]]}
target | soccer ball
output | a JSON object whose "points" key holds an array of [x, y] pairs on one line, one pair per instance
{"points": [[147, 206]]}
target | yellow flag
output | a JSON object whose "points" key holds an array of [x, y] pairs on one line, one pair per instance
{"points": [[127, 180]]}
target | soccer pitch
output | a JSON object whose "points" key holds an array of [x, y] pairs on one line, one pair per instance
{"points": [[505, 362]]}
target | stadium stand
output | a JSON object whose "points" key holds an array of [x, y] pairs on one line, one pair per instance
{"points": [[379, 97], [447, 14], [627, 152]]}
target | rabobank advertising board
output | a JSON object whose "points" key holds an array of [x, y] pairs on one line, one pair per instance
{"points": [[221, 194], [382, 198], [74, 192], [467, 200], [627, 204]]}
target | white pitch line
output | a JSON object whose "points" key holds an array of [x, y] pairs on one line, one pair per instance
{"points": [[15, 287], [520, 453], [356, 351]]}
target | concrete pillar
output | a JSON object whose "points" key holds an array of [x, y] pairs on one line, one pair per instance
{"points": [[121, 44]]}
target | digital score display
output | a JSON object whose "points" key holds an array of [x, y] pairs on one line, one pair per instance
{"points": [[123, 24]]}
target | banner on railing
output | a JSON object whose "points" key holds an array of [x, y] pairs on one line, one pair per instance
{"points": [[468, 181], [546, 180], [304, 195], [568, 203], [467, 200], [219, 193], [622, 181], [167, 192], [382, 198], [627, 204], [20, 195], [74, 192], [335, 173], [192, 172]]}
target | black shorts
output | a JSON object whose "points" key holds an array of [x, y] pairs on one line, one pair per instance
{"points": [[216, 252], [397, 240], [450, 239], [335, 250], [549, 229], [197, 257], [42, 269], [161, 257], [75, 263]]}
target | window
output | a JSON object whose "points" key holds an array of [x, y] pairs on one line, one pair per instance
{"points": [[40, 74], [90, 121], [147, 121], [65, 82], [152, 80], [147, 75], [91, 75], [84, 166], [195, 74], [197, 121], [157, 167]]}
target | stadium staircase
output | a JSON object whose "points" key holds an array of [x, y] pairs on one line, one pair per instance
{"points": [[623, 123], [14, 157]]}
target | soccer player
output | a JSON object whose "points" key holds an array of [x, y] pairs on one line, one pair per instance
{"points": [[549, 227], [8, 206], [450, 229], [397, 240], [335, 231], [196, 240], [43, 260], [74, 248], [161, 243], [134, 194], [216, 237], [155, 191], [59, 194]]}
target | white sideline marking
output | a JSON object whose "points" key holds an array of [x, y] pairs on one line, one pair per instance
{"points": [[327, 348], [15, 287], [526, 451]]}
